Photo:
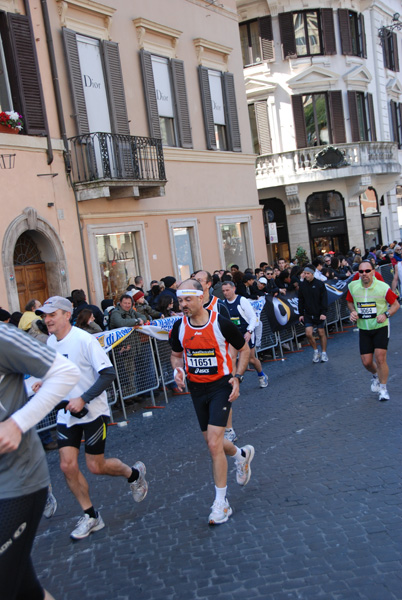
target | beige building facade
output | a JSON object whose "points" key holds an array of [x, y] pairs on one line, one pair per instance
{"points": [[116, 202]]}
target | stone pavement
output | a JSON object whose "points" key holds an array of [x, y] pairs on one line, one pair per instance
{"points": [[319, 519]]}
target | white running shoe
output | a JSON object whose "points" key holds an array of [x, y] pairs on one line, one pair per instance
{"points": [[375, 384], [230, 434], [324, 357], [243, 469], [87, 525], [316, 356], [51, 504], [220, 512], [139, 487], [383, 395], [263, 381]]}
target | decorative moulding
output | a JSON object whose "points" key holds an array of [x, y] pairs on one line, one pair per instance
{"points": [[259, 88], [314, 78], [394, 89], [9, 6], [358, 79], [86, 17], [157, 38], [211, 54]]}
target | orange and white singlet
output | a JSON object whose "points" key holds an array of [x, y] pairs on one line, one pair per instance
{"points": [[206, 351], [212, 304]]}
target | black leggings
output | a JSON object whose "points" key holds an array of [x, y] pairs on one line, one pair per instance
{"points": [[19, 520]]}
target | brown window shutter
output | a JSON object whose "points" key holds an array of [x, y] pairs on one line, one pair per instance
{"points": [[231, 111], [395, 51], [337, 117], [150, 95], [266, 37], [363, 36], [300, 122], [115, 87], [263, 129], [287, 35], [27, 75], [373, 136], [75, 75], [344, 28], [386, 50], [328, 31], [354, 121], [394, 121], [183, 114], [207, 108]]}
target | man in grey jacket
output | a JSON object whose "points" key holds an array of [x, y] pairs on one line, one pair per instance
{"points": [[124, 314]]}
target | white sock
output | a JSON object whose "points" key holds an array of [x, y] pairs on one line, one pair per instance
{"points": [[228, 429], [383, 386], [375, 376], [220, 493], [238, 455]]}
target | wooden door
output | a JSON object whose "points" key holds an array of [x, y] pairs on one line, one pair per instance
{"points": [[31, 283]]}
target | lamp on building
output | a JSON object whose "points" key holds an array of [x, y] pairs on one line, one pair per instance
{"points": [[7, 161], [385, 32]]}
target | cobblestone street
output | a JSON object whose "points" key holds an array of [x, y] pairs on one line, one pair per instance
{"points": [[320, 518]]}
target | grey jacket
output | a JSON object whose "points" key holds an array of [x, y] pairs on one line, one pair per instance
{"points": [[124, 318]]}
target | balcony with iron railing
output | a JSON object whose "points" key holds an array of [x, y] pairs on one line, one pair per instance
{"points": [[114, 166], [301, 166]]}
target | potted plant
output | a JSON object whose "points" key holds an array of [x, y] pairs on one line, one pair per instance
{"points": [[10, 122]]}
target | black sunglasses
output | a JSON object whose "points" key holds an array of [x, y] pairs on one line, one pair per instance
{"points": [[365, 270]]}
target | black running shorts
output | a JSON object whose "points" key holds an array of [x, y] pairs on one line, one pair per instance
{"points": [[371, 339], [94, 434], [211, 402]]}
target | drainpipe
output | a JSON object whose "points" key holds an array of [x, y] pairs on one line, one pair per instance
{"points": [[62, 124], [49, 150]]}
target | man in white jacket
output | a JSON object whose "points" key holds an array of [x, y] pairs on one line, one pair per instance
{"points": [[243, 315]]}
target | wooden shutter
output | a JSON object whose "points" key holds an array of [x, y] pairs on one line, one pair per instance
{"points": [[328, 31], [299, 121], [30, 93], [115, 87], [207, 108], [337, 117], [287, 34], [231, 111], [266, 37], [354, 120], [395, 52], [180, 93], [363, 42], [371, 118], [150, 95], [75, 76], [263, 129], [394, 121], [344, 28]]}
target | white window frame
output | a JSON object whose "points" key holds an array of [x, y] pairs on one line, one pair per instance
{"points": [[248, 237], [136, 227], [195, 243]]}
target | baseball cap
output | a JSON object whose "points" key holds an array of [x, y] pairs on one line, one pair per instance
{"points": [[263, 280], [53, 304]]}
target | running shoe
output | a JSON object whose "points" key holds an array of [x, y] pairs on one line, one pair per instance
{"points": [[324, 357], [220, 512], [139, 487], [51, 504], [87, 525], [243, 469], [383, 395], [230, 435], [263, 381], [375, 384], [316, 356]]}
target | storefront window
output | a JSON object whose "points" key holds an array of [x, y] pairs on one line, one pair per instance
{"points": [[325, 207], [371, 218], [118, 262], [369, 202], [234, 244], [182, 241]]}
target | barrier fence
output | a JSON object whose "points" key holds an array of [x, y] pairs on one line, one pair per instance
{"points": [[142, 363]]}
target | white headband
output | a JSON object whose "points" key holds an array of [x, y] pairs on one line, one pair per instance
{"points": [[193, 292]]}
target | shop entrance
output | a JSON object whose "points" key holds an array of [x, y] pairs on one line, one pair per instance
{"points": [[275, 212], [327, 223]]}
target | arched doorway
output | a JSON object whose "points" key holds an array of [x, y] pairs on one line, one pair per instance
{"points": [[275, 212], [30, 270]]}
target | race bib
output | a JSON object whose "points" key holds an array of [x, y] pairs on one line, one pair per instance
{"points": [[235, 321], [366, 310], [202, 362]]}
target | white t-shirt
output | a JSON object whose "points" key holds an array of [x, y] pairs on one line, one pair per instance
{"points": [[85, 351]]}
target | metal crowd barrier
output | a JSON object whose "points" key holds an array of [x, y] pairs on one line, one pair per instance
{"points": [[387, 271], [269, 339]]}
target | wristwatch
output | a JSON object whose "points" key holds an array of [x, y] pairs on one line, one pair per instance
{"points": [[387, 314], [239, 377]]}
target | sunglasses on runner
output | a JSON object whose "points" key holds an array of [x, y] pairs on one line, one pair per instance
{"points": [[365, 270]]}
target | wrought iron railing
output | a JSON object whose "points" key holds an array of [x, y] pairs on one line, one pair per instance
{"points": [[110, 156]]}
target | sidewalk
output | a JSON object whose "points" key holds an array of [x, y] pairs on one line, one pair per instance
{"points": [[320, 518]]}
